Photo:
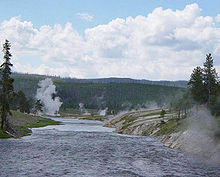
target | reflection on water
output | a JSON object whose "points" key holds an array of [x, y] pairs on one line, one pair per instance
{"points": [[78, 125], [85, 148]]}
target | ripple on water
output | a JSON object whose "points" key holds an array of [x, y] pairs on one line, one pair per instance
{"points": [[70, 150]]}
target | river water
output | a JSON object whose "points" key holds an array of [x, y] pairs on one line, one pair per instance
{"points": [[85, 148]]}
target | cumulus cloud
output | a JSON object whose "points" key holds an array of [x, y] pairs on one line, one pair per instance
{"points": [[164, 44], [85, 16], [217, 18]]}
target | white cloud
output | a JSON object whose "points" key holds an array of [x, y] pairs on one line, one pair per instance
{"points": [[85, 16], [217, 18], [165, 44]]}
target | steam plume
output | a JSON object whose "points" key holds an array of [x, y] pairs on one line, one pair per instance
{"points": [[103, 112], [200, 133], [82, 109], [45, 94]]}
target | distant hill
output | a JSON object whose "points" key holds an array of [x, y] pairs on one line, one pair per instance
{"points": [[178, 83], [128, 80], [114, 93]]}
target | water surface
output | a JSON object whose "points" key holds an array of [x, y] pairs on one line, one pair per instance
{"points": [[85, 148]]}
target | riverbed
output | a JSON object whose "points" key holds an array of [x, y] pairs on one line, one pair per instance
{"points": [[86, 148]]}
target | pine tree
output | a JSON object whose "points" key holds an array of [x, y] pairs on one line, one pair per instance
{"points": [[210, 78], [23, 103], [162, 113], [205, 87], [196, 85], [38, 107], [6, 84]]}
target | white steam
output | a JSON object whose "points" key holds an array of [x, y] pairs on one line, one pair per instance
{"points": [[200, 133], [103, 112], [82, 109], [45, 94], [199, 137]]}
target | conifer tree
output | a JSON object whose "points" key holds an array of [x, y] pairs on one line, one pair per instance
{"points": [[210, 77], [196, 85], [38, 107], [205, 87], [6, 84], [23, 103]]}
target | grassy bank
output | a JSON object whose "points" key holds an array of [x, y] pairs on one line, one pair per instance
{"points": [[72, 114], [171, 126], [21, 123], [146, 125], [86, 117], [4, 135]]}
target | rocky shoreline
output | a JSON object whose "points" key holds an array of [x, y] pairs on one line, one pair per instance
{"points": [[174, 133]]}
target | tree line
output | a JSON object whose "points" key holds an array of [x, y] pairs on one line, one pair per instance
{"points": [[205, 86], [9, 100], [203, 89]]}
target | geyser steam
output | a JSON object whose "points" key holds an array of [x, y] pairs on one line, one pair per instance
{"points": [[45, 94], [82, 109], [200, 134], [103, 112]]}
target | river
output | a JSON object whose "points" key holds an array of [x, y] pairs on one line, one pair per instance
{"points": [[85, 148]]}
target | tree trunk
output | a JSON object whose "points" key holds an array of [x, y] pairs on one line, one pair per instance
{"points": [[2, 124], [179, 114], [3, 116]]}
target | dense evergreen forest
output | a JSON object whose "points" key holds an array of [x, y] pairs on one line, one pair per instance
{"points": [[115, 96]]}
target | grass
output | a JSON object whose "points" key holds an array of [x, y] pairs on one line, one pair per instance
{"points": [[172, 126], [218, 122], [21, 123], [99, 118], [87, 117], [166, 128], [128, 120], [149, 130], [152, 114], [4, 135], [41, 123]]}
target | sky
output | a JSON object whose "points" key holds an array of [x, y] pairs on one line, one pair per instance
{"points": [[153, 39]]}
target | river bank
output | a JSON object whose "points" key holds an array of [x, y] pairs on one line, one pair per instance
{"points": [[86, 148], [80, 116], [21, 123], [195, 136]]}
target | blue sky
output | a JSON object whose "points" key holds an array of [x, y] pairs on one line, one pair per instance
{"points": [[111, 38], [51, 12]]}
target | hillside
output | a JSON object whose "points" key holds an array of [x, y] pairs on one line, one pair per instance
{"points": [[99, 95], [179, 83]]}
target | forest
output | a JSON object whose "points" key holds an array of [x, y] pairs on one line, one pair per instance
{"points": [[115, 96]]}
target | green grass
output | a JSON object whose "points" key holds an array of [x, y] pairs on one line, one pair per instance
{"points": [[22, 122], [148, 131], [4, 135], [152, 114], [128, 120], [86, 117], [99, 118], [172, 126], [218, 122], [166, 128], [217, 128], [41, 123]]}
